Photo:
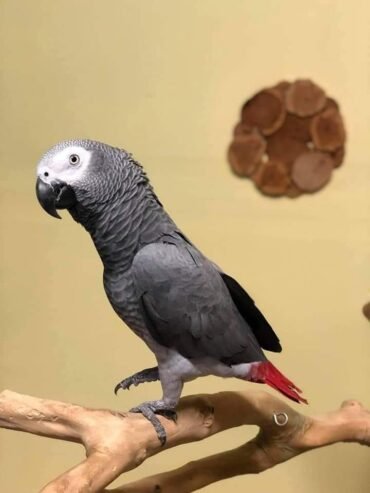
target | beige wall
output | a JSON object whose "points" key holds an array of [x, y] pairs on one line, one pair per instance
{"points": [[164, 79]]}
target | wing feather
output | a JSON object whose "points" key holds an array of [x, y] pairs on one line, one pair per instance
{"points": [[188, 307], [263, 331]]}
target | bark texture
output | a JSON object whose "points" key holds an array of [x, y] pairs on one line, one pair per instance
{"points": [[117, 442]]}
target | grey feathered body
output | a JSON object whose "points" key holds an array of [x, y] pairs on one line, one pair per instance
{"points": [[161, 285]]}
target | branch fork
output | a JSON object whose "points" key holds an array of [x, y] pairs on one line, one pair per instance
{"points": [[117, 442]]}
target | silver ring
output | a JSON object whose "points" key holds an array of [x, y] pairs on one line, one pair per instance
{"points": [[281, 419]]}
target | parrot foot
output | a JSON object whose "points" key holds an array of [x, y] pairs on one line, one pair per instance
{"points": [[150, 409], [148, 375]]}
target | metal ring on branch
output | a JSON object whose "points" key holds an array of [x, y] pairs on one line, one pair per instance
{"points": [[280, 419]]}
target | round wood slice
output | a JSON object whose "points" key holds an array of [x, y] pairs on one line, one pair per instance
{"points": [[272, 178], [242, 129], [312, 170], [293, 191], [245, 152], [285, 149], [304, 98], [290, 140], [282, 87], [266, 111], [366, 310], [331, 103], [327, 130], [338, 156], [296, 127]]}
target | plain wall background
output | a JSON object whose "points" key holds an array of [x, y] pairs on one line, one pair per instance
{"points": [[165, 79]]}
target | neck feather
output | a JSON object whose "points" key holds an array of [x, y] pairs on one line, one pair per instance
{"points": [[119, 228]]}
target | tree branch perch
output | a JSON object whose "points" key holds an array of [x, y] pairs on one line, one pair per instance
{"points": [[117, 442]]}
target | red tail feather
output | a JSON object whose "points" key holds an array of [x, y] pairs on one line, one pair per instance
{"points": [[265, 372]]}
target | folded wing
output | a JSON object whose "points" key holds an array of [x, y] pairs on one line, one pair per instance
{"points": [[187, 305]]}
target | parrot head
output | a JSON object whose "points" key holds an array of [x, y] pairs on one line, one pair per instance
{"points": [[80, 175]]}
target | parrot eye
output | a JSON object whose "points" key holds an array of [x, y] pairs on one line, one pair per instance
{"points": [[74, 159]]}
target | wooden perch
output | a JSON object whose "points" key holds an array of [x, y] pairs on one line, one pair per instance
{"points": [[117, 442]]}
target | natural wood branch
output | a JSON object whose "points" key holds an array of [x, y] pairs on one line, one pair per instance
{"points": [[116, 442]]}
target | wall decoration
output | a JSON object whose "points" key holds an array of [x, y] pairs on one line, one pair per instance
{"points": [[289, 139], [366, 310]]}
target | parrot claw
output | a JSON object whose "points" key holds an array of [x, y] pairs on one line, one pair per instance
{"points": [[170, 414], [149, 411], [147, 375]]}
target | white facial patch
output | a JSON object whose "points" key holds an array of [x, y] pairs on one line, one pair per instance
{"points": [[64, 166]]}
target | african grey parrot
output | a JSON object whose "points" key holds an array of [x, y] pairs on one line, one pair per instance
{"points": [[195, 318]]}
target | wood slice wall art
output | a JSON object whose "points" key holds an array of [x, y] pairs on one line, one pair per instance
{"points": [[366, 310], [289, 140]]}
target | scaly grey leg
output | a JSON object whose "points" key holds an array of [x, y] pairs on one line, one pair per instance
{"points": [[172, 388]]}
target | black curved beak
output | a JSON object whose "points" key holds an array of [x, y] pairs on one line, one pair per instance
{"points": [[54, 195]]}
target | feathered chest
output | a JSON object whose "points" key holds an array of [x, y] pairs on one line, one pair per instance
{"points": [[121, 292]]}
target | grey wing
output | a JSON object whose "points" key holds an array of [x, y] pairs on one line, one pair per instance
{"points": [[187, 306]]}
